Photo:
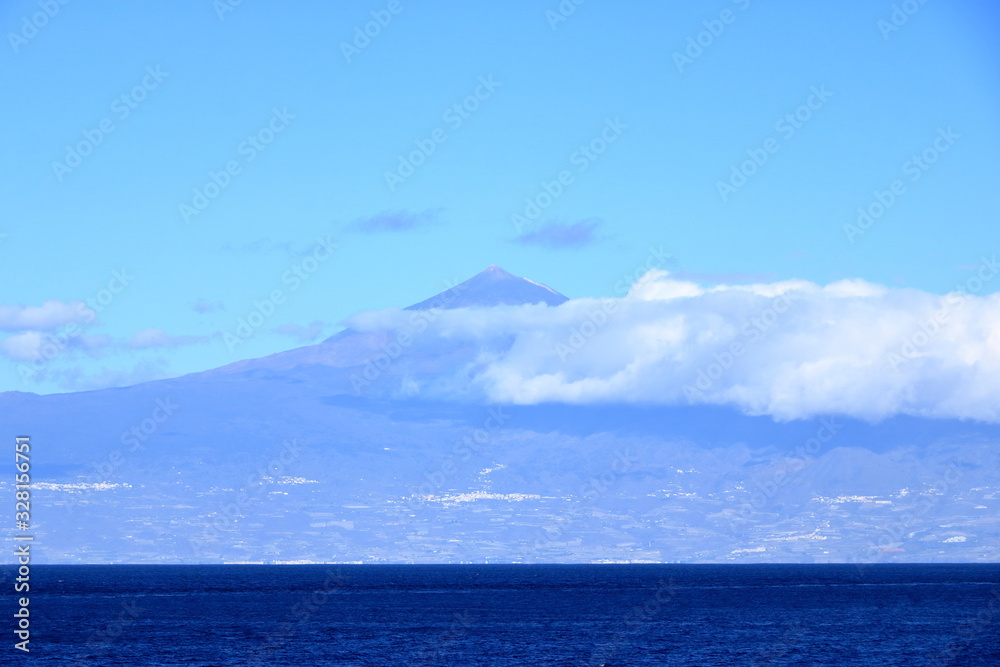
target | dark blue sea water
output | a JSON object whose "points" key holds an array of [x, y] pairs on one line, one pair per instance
{"points": [[510, 615]]}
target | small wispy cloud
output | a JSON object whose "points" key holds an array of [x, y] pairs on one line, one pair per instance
{"points": [[203, 306], [150, 338], [303, 334], [556, 234], [396, 221]]}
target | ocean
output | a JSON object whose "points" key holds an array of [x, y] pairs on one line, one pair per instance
{"points": [[498, 615]]}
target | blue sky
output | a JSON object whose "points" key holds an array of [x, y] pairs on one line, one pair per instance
{"points": [[162, 96]]}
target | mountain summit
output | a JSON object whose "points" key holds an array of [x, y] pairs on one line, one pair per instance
{"points": [[492, 287]]}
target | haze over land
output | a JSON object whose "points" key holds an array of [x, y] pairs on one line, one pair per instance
{"points": [[445, 433]]}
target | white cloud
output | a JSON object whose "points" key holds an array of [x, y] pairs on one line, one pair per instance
{"points": [[37, 345], [49, 315], [788, 349], [23, 346]]}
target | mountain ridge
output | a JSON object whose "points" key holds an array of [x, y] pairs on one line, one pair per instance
{"points": [[319, 453]]}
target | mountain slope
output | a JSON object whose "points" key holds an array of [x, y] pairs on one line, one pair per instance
{"points": [[287, 457], [351, 349]]}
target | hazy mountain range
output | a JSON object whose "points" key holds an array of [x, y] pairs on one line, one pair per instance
{"points": [[369, 447]]}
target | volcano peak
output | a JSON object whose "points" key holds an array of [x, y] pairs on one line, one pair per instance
{"points": [[493, 286]]}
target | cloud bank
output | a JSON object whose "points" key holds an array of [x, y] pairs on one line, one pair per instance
{"points": [[789, 349]]}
